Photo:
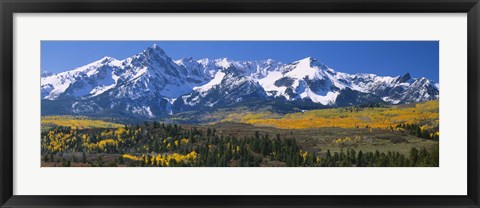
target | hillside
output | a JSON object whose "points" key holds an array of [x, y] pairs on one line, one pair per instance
{"points": [[424, 114], [79, 122]]}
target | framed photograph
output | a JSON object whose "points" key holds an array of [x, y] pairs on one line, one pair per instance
{"points": [[244, 104]]}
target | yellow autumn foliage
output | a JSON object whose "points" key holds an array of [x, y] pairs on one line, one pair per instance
{"points": [[348, 140], [165, 160], [345, 118], [132, 157], [184, 141], [79, 122], [304, 155]]}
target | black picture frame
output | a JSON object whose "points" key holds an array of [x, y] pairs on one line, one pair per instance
{"points": [[9, 7]]}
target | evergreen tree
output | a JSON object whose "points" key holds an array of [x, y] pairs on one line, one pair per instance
{"points": [[360, 159]]}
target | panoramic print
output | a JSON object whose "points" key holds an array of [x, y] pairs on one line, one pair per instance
{"points": [[239, 104]]}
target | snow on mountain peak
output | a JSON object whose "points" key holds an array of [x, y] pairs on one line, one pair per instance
{"points": [[223, 62], [307, 59], [45, 73], [154, 51], [269, 61], [106, 58], [185, 62], [217, 79], [204, 61], [308, 68], [312, 62], [80, 81]]}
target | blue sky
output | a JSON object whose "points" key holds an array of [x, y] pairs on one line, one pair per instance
{"points": [[393, 58]]}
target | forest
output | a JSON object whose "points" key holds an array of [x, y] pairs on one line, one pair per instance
{"points": [[155, 144]]}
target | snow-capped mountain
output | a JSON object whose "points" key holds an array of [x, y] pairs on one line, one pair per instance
{"points": [[228, 87], [45, 73], [151, 84]]}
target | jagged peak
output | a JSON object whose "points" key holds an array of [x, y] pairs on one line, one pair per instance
{"points": [[310, 61], [191, 65], [231, 69], [186, 60], [203, 61], [106, 59], [154, 50], [45, 73], [102, 61], [223, 62], [268, 61]]}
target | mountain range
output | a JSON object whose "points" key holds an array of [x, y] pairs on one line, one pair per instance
{"points": [[153, 85]]}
